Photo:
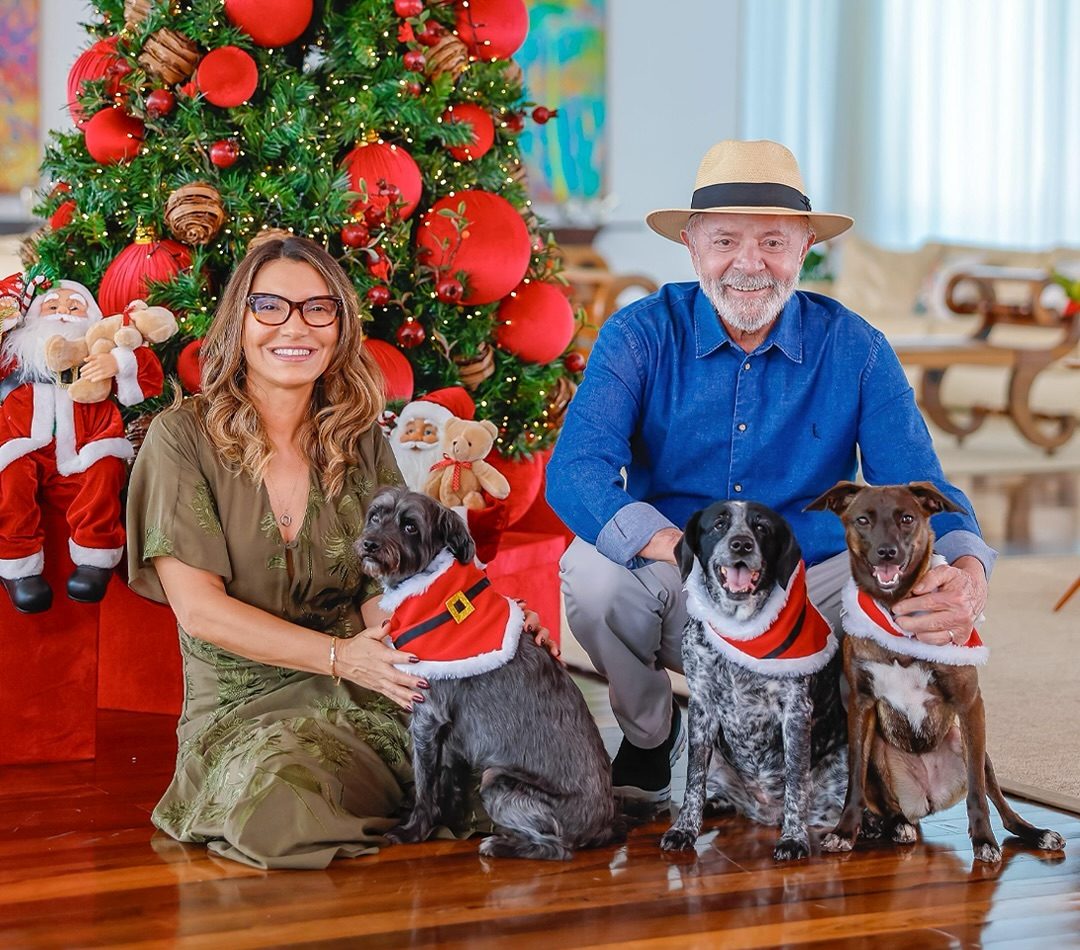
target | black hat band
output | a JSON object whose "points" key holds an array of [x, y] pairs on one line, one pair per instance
{"points": [[750, 194]]}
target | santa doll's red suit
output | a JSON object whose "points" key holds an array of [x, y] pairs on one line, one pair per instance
{"points": [[70, 454]]}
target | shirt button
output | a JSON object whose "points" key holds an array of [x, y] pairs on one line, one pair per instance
{"points": [[738, 488], [745, 365], [742, 426]]}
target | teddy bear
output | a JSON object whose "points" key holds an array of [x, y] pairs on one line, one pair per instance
{"points": [[138, 324], [457, 480]]}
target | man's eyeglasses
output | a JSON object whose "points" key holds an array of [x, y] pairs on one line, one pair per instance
{"points": [[273, 310]]}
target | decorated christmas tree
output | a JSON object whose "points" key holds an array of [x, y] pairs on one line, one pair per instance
{"points": [[385, 129]]}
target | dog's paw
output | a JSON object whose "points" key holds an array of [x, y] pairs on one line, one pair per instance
{"points": [[676, 839], [836, 843], [988, 852], [791, 849], [404, 834], [1050, 841], [904, 833], [872, 826]]}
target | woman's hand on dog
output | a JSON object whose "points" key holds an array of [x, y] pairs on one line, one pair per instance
{"points": [[367, 661], [540, 634], [945, 603]]}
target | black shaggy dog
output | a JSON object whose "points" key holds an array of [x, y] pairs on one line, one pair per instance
{"points": [[764, 678], [497, 704]]}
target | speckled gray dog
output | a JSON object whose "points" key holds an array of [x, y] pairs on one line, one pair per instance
{"points": [[545, 777], [775, 737]]}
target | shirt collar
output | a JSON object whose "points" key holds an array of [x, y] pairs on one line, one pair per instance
{"points": [[786, 334]]}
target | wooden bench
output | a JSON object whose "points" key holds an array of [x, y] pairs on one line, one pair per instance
{"points": [[935, 356]]}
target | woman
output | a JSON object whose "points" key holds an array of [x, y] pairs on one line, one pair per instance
{"points": [[243, 510]]}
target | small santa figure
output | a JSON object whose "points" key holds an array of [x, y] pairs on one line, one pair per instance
{"points": [[67, 453], [417, 437]]}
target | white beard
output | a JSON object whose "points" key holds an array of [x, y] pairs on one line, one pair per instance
{"points": [[415, 460], [749, 316], [25, 345]]}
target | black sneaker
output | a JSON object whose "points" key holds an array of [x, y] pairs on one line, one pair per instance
{"points": [[643, 776]]}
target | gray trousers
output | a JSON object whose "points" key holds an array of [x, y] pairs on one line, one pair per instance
{"points": [[630, 623]]}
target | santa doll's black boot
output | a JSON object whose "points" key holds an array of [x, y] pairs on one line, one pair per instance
{"points": [[87, 584], [29, 595]]}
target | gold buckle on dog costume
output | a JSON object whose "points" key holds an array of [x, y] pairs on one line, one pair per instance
{"points": [[459, 607]]}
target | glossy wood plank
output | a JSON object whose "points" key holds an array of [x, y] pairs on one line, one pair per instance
{"points": [[80, 865]]}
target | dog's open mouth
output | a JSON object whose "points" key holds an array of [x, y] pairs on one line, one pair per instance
{"points": [[739, 579], [888, 576]]}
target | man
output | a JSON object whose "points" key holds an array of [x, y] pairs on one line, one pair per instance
{"points": [[55, 450], [732, 387]]}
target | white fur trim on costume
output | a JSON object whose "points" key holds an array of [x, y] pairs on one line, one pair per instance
{"points": [[128, 390], [68, 461], [16, 568], [474, 665], [701, 607], [41, 428], [858, 624], [800, 666], [106, 558], [418, 583]]}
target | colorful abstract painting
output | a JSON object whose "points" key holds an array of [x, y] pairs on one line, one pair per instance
{"points": [[19, 139], [563, 61]]}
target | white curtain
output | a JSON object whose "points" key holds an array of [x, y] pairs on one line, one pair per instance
{"points": [[952, 120]]}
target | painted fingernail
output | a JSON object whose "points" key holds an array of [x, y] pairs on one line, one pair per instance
{"points": [[414, 659], [423, 684], [418, 698], [408, 707]]}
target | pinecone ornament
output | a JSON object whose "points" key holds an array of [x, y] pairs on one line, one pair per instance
{"points": [[195, 213]]}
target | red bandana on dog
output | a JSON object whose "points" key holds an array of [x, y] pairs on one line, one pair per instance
{"points": [[787, 637], [865, 617], [452, 618]]}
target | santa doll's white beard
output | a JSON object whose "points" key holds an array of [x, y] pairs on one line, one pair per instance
{"points": [[415, 463], [25, 345]]}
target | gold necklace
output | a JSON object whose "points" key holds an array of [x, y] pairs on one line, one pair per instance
{"points": [[285, 519]]}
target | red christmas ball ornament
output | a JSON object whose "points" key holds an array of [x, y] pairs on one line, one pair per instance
{"points": [[431, 32], [369, 165], [414, 89], [354, 234], [535, 323], [97, 62], [483, 130], [543, 114], [113, 136], [227, 76], [410, 334], [378, 296], [449, 290], [270, 22], [62, 215], [492, 29], [396, 370], [224, 152], [159, 103], [189, 367], [127, 277], [414, 61], [492, 246], [515, 122], [408, 8], [574, 362]]}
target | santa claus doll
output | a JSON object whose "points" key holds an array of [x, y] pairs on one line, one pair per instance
{"points": [[67, 453]]}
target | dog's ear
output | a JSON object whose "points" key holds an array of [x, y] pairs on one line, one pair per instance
{"points": [[456, 535], [836, 498], [790, 552], [930, 499], [687, 548]]}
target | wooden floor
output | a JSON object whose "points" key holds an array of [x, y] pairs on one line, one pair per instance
{"points": [[80, 866]]}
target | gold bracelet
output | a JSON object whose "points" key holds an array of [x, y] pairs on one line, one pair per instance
{"points": [[333, 661]]}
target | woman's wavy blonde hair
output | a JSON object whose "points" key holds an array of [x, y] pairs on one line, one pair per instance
{"points": [[345, 401]]}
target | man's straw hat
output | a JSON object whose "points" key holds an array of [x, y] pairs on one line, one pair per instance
{"points": [[748, 178]]}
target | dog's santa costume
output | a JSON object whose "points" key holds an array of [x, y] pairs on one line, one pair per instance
{"points": [[68, 453], [453, 620], [787, 637]]}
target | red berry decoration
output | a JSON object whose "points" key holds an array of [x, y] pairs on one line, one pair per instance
{"points": [[430, 33], [543, 114], [414, 61], [160, 103], [414, 89], [574, 362], [224, 152], [410, 333], [354, 234], [515, 122], [374, 216], [407, 8], [378, 296], [449, 290]]}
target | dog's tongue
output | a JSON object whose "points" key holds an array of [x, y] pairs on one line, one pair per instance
{"points": [[739, 578], [887, 573]]}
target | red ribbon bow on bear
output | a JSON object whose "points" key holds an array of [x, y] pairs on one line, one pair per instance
{"points": [[455, 481]]}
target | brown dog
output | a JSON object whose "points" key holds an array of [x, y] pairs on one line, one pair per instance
{"points": [[916, 722]]}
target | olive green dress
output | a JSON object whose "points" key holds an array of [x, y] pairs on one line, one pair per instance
{"points": [[275, 767]]}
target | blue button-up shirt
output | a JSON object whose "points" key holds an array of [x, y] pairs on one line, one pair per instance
{"points": [[672, 400]]}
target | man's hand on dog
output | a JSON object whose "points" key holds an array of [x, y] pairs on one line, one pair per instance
{"points": [[945, 603]]}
